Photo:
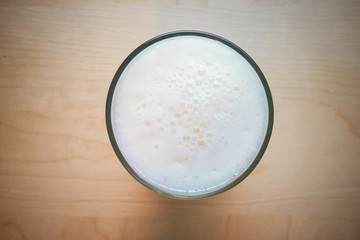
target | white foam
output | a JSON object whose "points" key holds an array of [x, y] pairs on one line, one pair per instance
{"points": [[189, 114]]}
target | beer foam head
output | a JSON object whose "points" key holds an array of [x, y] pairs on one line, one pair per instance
{"points": [[189, 115]]}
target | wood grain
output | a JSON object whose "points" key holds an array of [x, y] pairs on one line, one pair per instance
{"points": [[60, 179]]}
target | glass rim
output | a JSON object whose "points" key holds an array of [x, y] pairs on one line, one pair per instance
{"points": [[108, 113]]}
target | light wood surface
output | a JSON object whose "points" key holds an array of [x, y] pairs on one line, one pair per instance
{"points": [[60, 179]]}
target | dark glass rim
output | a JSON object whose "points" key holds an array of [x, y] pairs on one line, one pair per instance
{"points": [[116, 78]]}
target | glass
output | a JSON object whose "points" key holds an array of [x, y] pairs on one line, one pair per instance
{"points": [[261, 150]]}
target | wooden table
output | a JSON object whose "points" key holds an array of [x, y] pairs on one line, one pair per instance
{"points": [[60, 178]]}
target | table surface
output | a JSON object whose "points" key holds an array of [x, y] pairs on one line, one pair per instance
{"points": [[60, 178]]}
